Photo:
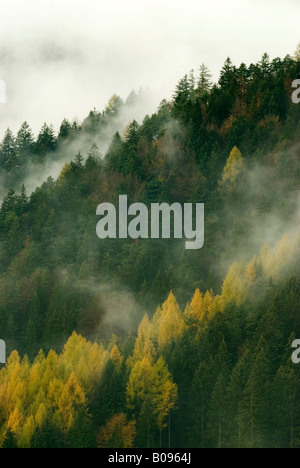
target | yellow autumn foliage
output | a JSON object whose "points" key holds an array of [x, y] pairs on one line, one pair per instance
{"points": [[168, 322], [234, 166]]}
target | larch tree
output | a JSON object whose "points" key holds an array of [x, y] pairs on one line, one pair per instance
{"points": [[233, 168], [114, 106], [143, 346], [140, 396], [46, 142], [194, 310], [204, 84], [168, 322], [297, 53]]}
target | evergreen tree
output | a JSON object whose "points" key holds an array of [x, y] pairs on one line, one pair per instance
{"points": [[8, 151], [114, 106], [10, 441], [204, 84], [254, 408], [46, 142], [297, 53], [117, 433], [65, 130], [24, 143]]}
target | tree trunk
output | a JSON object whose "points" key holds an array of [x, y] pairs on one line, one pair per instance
{"points": [[220, 430], [170, 430]]}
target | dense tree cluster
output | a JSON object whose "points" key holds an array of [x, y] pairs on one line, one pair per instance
{"points": [[216, 372]]}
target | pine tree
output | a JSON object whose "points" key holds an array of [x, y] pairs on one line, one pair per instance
{"points": [[166, 394], [9, 203], [94, 152], [65, 130], [234, 287], [232, 170], [112, 398], [183, 97], [46, 142], [143, 346], [24, 143], [297, 53], [202, 386], [227, 74], [254, 407], [217, 412], [132, 99], [238, 380], [151, 395], [82, 432], [10, 440], [217, 404], [47, 436], [204, 84], [8, 151], [114, 106], [265, 66]]}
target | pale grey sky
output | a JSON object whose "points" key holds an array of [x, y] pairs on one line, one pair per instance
{"points": [[61, 58]]}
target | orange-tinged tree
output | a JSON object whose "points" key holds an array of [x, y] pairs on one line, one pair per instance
{"points": [[117, 433], [151, 394], [233, 168], [166, 394], [116, 357], [15, 421]]}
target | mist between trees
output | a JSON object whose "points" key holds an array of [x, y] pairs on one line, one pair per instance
{"points": [[30, 161], [212, 371]]}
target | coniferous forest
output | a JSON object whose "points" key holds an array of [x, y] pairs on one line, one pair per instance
{"points": [[122, 343]]}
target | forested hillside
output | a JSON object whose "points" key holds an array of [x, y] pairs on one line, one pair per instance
{"points": [[121, 343]]}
